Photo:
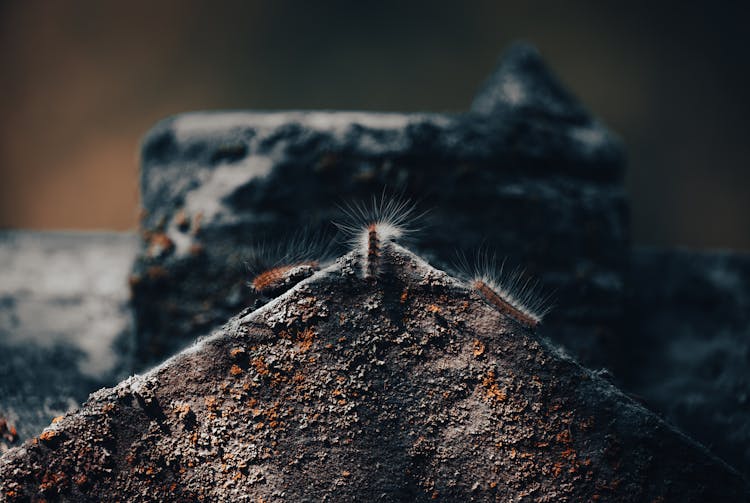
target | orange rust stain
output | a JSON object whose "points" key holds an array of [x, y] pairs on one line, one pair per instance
{"points": [[432, 308], [210, 402], [306, 338], [235, 352], [557, 468], [502, 305], [235, 370], [260, 366], [493, 389], [478, 348], [48, 435], [404, 295], [50, 480], [568, 453], [182, 410], [57, 419]]}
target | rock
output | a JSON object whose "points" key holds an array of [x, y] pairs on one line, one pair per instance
{"points": [[65, 323], [538, 183], [522, 83], [408, 388], [690, 353]]}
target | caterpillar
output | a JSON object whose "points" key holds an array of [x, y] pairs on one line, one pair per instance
{"points": [[372, 227], [279, 279], [511, 293], [275, 269]]}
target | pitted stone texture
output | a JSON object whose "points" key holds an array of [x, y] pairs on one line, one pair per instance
{"points": [[537, 187], [408, 389], [65, 324]]}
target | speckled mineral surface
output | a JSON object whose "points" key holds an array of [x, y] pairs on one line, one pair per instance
{"points": [[408, 388]]}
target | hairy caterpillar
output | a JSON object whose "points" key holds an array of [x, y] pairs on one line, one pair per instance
{"points": [[277, 268], [278, 279], [372, 227], [511, 293]]}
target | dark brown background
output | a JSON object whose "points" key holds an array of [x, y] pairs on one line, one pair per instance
{"points": [[82, 81]]}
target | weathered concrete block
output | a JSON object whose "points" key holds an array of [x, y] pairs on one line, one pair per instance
{"points": [[526, 173], [65, 323]]}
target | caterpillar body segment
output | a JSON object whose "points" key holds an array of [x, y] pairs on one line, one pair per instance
{"points": [[511, 293], [275, 269], [281, 278], [371, 228], [519, 314]]}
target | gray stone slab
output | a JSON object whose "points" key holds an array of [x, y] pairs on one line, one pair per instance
{"points": [[65, 324]]}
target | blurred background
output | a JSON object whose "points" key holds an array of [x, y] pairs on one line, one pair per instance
{"points": [[82, 81]]}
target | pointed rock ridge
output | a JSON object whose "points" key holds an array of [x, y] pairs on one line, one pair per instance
{"points": [[408, 388], [522, 82], [215, 185]]}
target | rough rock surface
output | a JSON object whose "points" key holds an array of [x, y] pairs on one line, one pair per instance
{"points": [[527, 173], [689, 355], [65, 324], [410, 388]]}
